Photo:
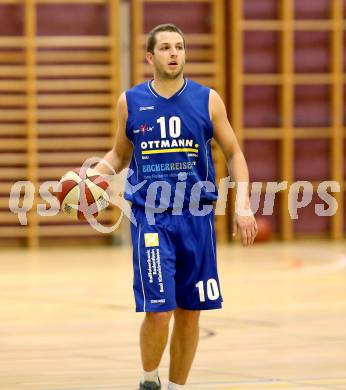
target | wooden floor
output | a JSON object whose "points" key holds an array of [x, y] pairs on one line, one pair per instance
{"points": [[67, 320]]}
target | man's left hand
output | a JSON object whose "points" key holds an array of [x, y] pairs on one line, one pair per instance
{"points": [[246, 226]]}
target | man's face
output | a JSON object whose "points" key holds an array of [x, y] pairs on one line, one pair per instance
{"points": [[169, 55]]}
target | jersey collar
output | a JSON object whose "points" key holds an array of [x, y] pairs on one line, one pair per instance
{"points": [[178, 93]]}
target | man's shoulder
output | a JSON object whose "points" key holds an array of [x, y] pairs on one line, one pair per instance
{"points": [[196, 85], [138, 87], [195, 88], [137, 93]]}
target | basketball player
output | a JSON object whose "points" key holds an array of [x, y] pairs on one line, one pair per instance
{"points": [[164, 131]]}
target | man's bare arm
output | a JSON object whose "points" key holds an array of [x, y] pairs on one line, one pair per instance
{"points": [[236, 163], [120, 155]]}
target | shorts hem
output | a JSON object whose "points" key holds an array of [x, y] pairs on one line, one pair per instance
{"points": [[156, 309], [202, 308]]}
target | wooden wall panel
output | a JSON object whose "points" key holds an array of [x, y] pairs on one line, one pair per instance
{"points": [[312, 106], [57, 105], [12, 20], [288, 63], [262, 158], [72, 19], [312, 52], [344, 166], [344, 220], [261, 106], [261, 10], [13, 139], [311, 160], [191, 17], [262, 52], [305, 10], [310, 223], [273, 219]]}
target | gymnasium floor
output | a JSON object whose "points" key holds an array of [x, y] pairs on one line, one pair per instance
{"points": [[67, 320]]}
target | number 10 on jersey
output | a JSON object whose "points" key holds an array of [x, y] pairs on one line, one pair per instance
{"points": [[174, 126]]}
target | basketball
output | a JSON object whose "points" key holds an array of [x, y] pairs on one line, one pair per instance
{"points": [[264, 229], [83, 193]]}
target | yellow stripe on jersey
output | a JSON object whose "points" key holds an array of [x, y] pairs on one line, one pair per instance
{"points": [[172, 150]]}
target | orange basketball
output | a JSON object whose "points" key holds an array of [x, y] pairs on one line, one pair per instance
{"points": [[264, 229], [83, 193]]}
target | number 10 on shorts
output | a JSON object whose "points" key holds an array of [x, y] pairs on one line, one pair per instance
{"points": [[213, 292]]}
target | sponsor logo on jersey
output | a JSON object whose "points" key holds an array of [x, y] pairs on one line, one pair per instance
{"points": [[167, 143], [151, 239], [157, 301], [170, 146], [143, 129], [146, 108]]}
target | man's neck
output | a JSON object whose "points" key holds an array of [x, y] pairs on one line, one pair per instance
{"points": [[167, 88]]}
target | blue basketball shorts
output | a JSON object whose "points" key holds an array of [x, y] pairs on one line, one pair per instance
{"points": [[174, 262]]}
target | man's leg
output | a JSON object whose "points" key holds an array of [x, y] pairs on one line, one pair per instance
{"points": [[153, 338], [184, 343]]}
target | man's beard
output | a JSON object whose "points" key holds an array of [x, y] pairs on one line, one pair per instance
{"points": [[163, 75]]}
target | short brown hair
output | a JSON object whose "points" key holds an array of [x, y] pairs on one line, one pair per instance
{"points": [[151, 42]]}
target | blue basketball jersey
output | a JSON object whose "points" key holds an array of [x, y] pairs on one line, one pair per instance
{"points": [[172, 152]]}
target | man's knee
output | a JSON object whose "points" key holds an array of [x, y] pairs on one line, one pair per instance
{"points": [[159, 319], [186, 318]]}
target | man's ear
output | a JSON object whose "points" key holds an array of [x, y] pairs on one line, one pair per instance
{"points": [[149, 57]]}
